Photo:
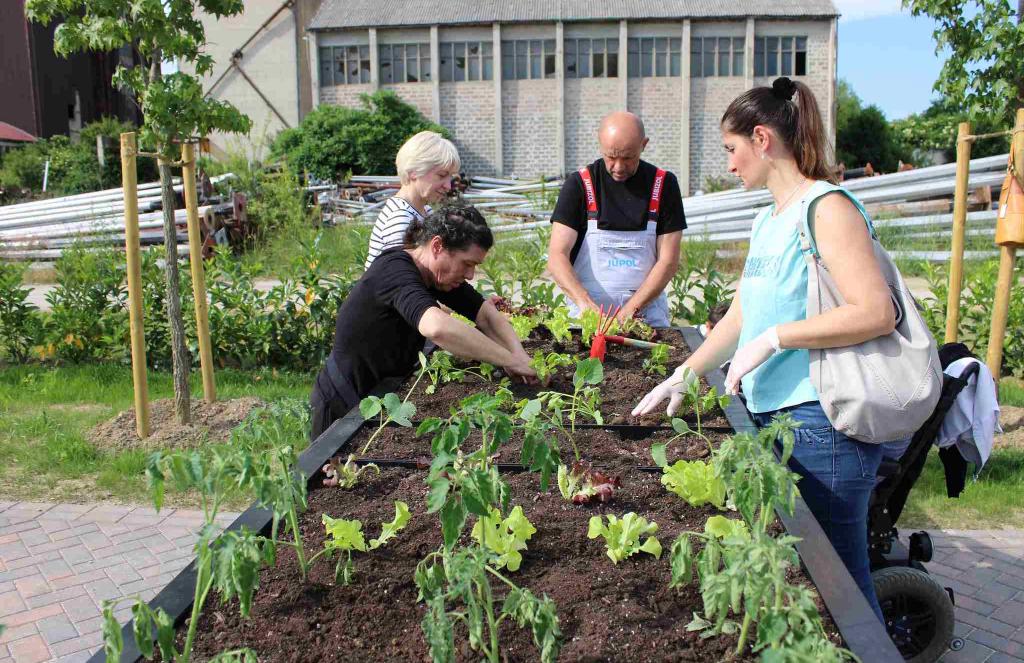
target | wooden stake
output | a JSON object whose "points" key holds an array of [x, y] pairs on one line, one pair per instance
{"points": [[956, 257], [131, 248], [195, 259], [1007, 258]]}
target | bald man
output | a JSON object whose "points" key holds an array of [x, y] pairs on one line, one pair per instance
{"points": [[616, 228]]}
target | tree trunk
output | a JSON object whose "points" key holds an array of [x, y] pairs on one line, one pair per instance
{"points": [[179, 352]]}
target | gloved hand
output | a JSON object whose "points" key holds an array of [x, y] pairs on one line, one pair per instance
{"points": [[672, 389], [750, 356]]}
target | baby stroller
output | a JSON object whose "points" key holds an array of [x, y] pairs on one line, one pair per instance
{"points": [[918, 610]]}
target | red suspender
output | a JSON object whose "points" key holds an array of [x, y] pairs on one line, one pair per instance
{"points": [[659, 181], [588, 190]]}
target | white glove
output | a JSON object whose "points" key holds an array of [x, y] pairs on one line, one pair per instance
{"points": [[672, 389], [750, 356]]}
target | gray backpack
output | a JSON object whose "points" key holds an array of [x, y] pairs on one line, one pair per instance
{"points": [[879, 390]]}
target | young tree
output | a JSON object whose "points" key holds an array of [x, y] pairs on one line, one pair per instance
{"points": [[985, 69], [173, 106]]}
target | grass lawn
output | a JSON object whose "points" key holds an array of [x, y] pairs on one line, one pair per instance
{"points": [[45, 413]]}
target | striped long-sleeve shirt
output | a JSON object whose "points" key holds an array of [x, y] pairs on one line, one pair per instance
{"points": [[390, 226]]}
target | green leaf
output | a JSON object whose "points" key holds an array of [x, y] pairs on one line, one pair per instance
{"points": [[345, 534], [726, 528], [695, 481], [403, 414], [438, 494], [681, 427], [113, 643], [390, 529], [370, 407], [504, 537], [658, 454], [453, 519], [588, 372]]}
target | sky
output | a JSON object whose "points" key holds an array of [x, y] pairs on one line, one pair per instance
{"points": [[887, 55]]}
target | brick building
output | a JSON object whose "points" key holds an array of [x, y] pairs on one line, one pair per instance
{"points": [[523, 85]]}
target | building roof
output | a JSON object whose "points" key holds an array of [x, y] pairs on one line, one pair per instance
{"points": [[334, 14], [12, 134]]}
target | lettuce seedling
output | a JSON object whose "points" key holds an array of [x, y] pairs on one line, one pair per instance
{"points": [[345, 474], [622, 537], [347, 536], [695, 481], [547, 365], [581, 484], [504, 537], [523, 325], [463, 576], [559, 323]]}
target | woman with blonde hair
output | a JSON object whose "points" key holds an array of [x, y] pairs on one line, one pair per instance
{"points": [[425, 164], [775, 138]]}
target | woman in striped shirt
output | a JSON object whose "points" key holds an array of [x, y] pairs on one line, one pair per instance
{"points": [[425, 164]]}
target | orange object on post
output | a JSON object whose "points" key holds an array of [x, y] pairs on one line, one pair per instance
{"points": [[1010, 219]]}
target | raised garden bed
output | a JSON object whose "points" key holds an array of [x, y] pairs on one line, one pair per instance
{"points": [[620, 612]]}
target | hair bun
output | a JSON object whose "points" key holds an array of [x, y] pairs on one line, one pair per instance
{"points": [[783, 88]]}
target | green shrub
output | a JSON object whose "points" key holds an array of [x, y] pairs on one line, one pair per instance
{"points": [[333, 140], [978, 293], [698, 286], [19, 321]]}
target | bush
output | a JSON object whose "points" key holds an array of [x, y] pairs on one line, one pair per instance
{"points": [[976, 311], [19, 321], [74, 167], [333, 140]]}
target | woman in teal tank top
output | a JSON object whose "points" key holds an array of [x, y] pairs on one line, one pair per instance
{"points": [[775, 138]]}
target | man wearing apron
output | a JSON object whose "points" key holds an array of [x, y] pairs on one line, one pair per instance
{"points": [[616, 228]]}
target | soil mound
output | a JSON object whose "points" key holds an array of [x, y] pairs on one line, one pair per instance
{"points": [[211, 422]]}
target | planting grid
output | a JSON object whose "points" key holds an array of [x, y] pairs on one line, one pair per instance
{"points": [[58, 562]]}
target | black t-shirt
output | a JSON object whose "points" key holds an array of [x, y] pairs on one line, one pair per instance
{"points": [[376, 331], [620, 205]]}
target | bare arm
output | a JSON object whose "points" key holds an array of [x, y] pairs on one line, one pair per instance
{"points": [[658, 278], [496, 327], [845, 246], [563, 238], [465, 341]]}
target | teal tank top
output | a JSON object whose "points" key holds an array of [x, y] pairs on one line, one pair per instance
{"points": [[774, 291]]}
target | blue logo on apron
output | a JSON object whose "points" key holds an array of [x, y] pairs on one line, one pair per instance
{"points": [[623, 262]]}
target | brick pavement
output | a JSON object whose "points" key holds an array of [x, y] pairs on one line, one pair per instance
{"points": [[58, 562]]}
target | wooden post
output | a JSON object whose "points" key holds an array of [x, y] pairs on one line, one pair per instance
{"points": [[195, 259], [131, 248], [956, 257], [1007, 257]]}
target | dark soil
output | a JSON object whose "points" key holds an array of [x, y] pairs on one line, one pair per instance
{"points": [[616, 449], [624, 384], [211, 422], [607, 612]]}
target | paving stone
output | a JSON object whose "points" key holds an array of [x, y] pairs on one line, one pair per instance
{"points": [[32, 586], [13, 551], [982, 622], [80, 608], [998, 643], [996, 593], [82, 643], [31, 616], [971, 653], [1011, 612], [14, 574], [58, 568], [78, 657], [1000, 657], [70, 511], [13, 633], [56, 629], [33, 560], [103, 589], [75, 554], [56, 597], [32, 649], [11, 602], [77, 532], [1012, 580], [105, 513], [34, 537]]}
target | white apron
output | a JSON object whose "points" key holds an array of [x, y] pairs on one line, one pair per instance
{"points": [[612, 264]]}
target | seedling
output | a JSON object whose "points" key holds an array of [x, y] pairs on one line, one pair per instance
{"points": [[347, 536], [694, 481], [345, 474], [543, 295], [656, 360], [585, 400], [558, 323], [463, 577], [590, 322], [622, 537], [581, 484], [523, 325], [700, 405], [540, 450], [389, 408], [504, 537], [441, 369], [637, 328], [547, 365]]}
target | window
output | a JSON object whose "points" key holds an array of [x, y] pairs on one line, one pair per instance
{"points": [[653, 56], [344, 65], [592, 58], [467, 60], [716, 56], [528, 58], [780, 56], [404, 63]]}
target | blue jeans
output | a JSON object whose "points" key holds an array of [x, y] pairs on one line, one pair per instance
{"points": [[837, 477]]}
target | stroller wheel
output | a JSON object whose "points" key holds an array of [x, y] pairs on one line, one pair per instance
{"points": [[918, 613]]}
